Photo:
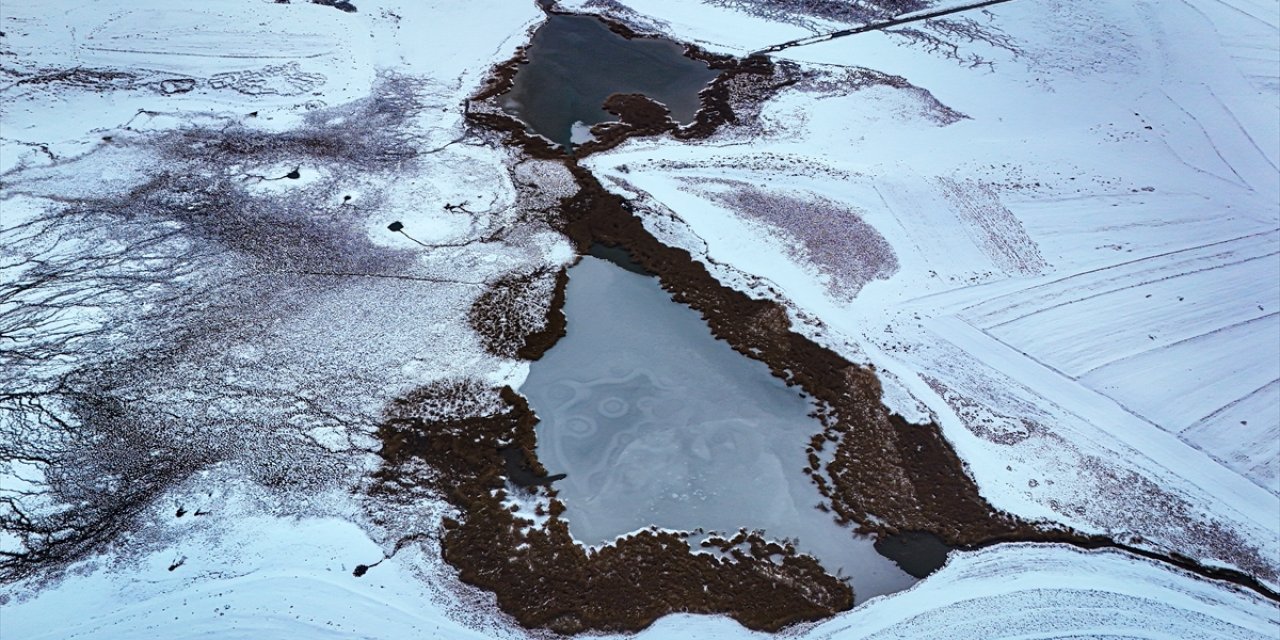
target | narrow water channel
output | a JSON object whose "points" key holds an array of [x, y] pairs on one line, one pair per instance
{"points": [[575, 62], [656, 422]]}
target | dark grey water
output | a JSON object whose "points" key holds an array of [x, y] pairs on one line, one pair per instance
{"points": [[575, 62], [619, 256], [656, 422], [918, 553]]}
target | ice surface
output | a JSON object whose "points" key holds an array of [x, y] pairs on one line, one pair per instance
{"points": [[575, 63], [657, 423]]}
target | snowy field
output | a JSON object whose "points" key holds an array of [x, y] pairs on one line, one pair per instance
{"points": [[268, 579], [1084, 283], [1060, 240]]}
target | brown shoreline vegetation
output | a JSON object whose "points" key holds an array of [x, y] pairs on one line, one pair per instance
{"points": [[545, 579], [885, 475]]}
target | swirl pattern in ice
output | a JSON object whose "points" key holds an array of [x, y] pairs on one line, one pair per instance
{"points": [[655, 422]]}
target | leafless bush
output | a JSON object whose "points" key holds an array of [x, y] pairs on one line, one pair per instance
{"points": [[831, 236], [121, 313], [511, 309]]}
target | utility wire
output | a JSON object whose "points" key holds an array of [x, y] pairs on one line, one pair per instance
{"points": [[875, 26]]}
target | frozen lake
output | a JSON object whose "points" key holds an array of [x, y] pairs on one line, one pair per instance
{"points": [[575, 62], [656, 422]]}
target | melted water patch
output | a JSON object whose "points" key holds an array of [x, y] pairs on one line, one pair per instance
{"points": [[655, 422], [575, 62], [919, 553]]}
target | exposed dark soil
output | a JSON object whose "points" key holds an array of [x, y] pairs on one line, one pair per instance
{"points": [[886, 476], [639, 116], [745, 81], [537, 342], [502, 317], [545, 579], [502, 77], [341, 5]]}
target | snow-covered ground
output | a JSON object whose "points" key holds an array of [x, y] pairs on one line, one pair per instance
{"points": [[1079, 279], [1086, 271], [256, 577]]}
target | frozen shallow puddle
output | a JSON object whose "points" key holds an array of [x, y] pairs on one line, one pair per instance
{"points": [[656, 422]]}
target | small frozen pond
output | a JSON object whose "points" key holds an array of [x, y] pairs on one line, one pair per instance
{"points": [[655, 422], [575, 62]]}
